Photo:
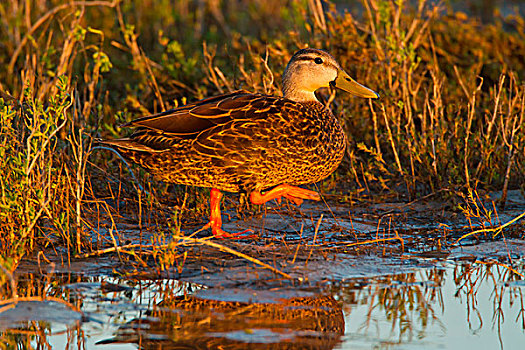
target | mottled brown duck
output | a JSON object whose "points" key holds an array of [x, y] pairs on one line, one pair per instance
{"points": [[249, 142]]}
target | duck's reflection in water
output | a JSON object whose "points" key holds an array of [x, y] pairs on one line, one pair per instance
{"points": [[263, 322]]}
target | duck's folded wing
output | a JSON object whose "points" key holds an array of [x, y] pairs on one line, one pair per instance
{"points": [[192, 119], [251, 140]]}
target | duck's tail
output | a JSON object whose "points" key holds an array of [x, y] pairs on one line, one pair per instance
{"points": [[126, 144]]}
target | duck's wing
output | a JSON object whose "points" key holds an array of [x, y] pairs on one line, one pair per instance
{"points": [[161, 131], [269, 132], [189, 120]]}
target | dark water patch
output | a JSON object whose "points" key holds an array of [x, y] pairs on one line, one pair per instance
{"points": [[20, 312]]}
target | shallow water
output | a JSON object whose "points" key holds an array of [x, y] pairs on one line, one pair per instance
{"points": [[447, 315], [403, 293], [448, 306]]}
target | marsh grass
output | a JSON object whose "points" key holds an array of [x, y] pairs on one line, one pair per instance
{"points": [[31, 177], [449, 121]]}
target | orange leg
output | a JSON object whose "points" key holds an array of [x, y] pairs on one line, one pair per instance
{"points": [[295, 194], [216, 220]]}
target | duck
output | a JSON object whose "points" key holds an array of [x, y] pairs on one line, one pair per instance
{"points": [[263, 145]]}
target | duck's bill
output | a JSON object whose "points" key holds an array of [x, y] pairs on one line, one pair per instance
{"points": [[346, 83]]}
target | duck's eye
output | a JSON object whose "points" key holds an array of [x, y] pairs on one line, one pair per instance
{"points": [[318, 60]]}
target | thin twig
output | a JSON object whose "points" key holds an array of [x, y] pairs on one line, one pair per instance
{"points": [[233, 252], [497, 230]]}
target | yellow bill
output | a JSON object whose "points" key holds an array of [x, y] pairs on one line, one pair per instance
{"points": [[346, 83]]}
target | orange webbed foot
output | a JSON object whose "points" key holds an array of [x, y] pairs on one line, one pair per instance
{"points": [[292, 193]]}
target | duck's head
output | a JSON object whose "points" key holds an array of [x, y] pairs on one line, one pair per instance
{"points": [[311, 69]]}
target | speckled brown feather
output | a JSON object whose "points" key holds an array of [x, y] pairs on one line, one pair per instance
{"points": [[238, 142]]}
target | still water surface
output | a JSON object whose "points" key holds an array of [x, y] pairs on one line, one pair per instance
{"points": [[448, 306]]}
